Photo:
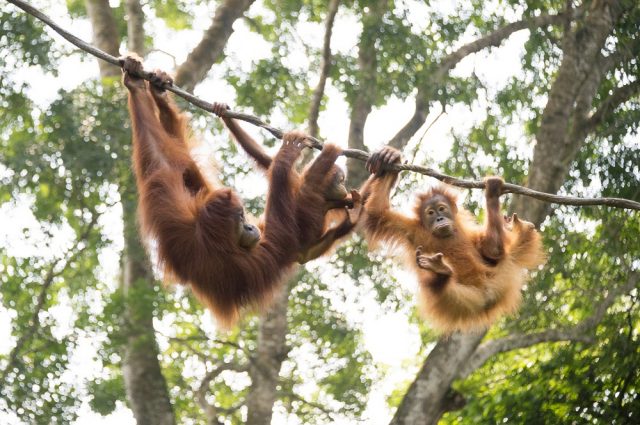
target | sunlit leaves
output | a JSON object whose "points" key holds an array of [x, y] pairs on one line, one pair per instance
{"points": [[271, 83], [105, 393], [55, 160], [72, 157], [23, 39], [32, 374], [343, 374], [174, 12], [72, 152]]}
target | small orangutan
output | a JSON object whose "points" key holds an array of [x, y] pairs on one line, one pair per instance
{"points": [[324, 210], [469, 274], [202, 236]]}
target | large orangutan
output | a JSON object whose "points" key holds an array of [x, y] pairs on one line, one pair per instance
{"points": [[469, 274], [201, 233], [322, 202]]}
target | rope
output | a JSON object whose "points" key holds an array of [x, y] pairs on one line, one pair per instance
{"points": [[317, 144]]}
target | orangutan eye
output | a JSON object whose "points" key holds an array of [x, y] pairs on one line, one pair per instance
{"points": [[431, 212], [442, 208]]}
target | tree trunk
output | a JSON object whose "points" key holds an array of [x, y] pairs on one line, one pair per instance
{"points": [[145, 385], [135, 27], [105, 33], [424, 402], [325, 66], [207, 52], [365, 92], [555, 149], [265, 368], [427, 400]]}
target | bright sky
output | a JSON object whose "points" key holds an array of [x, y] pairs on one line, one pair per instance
{"points": [[392, 341]]}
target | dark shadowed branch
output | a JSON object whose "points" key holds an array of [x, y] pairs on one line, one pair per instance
{"points": [[581, 332], [327, 412], [317, 144], [211, 410], [615, 99], [437, 75]]}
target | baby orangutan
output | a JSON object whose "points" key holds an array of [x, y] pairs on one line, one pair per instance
{"points": [[469, 274], [324, 211]]}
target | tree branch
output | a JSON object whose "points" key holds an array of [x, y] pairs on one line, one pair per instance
{"points": [[619, 96], [318, 406], [186, 341], [350, 153], [318, 92], [205, 54], [416, 148], [499, 35], [450, 61], [577, 333], [415, 122], [210, 410]]}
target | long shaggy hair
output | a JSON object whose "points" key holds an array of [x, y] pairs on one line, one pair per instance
{"points": [[478, 291], [195, 224]]}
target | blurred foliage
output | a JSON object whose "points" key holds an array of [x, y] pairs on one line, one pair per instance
{"points": [[65, 181], [589, 249], [271, 83], [569, 382], [175, 13], [344, 374], [68, 161], [23, 40]]}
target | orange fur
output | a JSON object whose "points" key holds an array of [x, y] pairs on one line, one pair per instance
{"points": [[478, 291], [321, 222], [196, 224]]}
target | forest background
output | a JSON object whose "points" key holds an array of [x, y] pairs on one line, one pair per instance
{"points": [[544, 93]]}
